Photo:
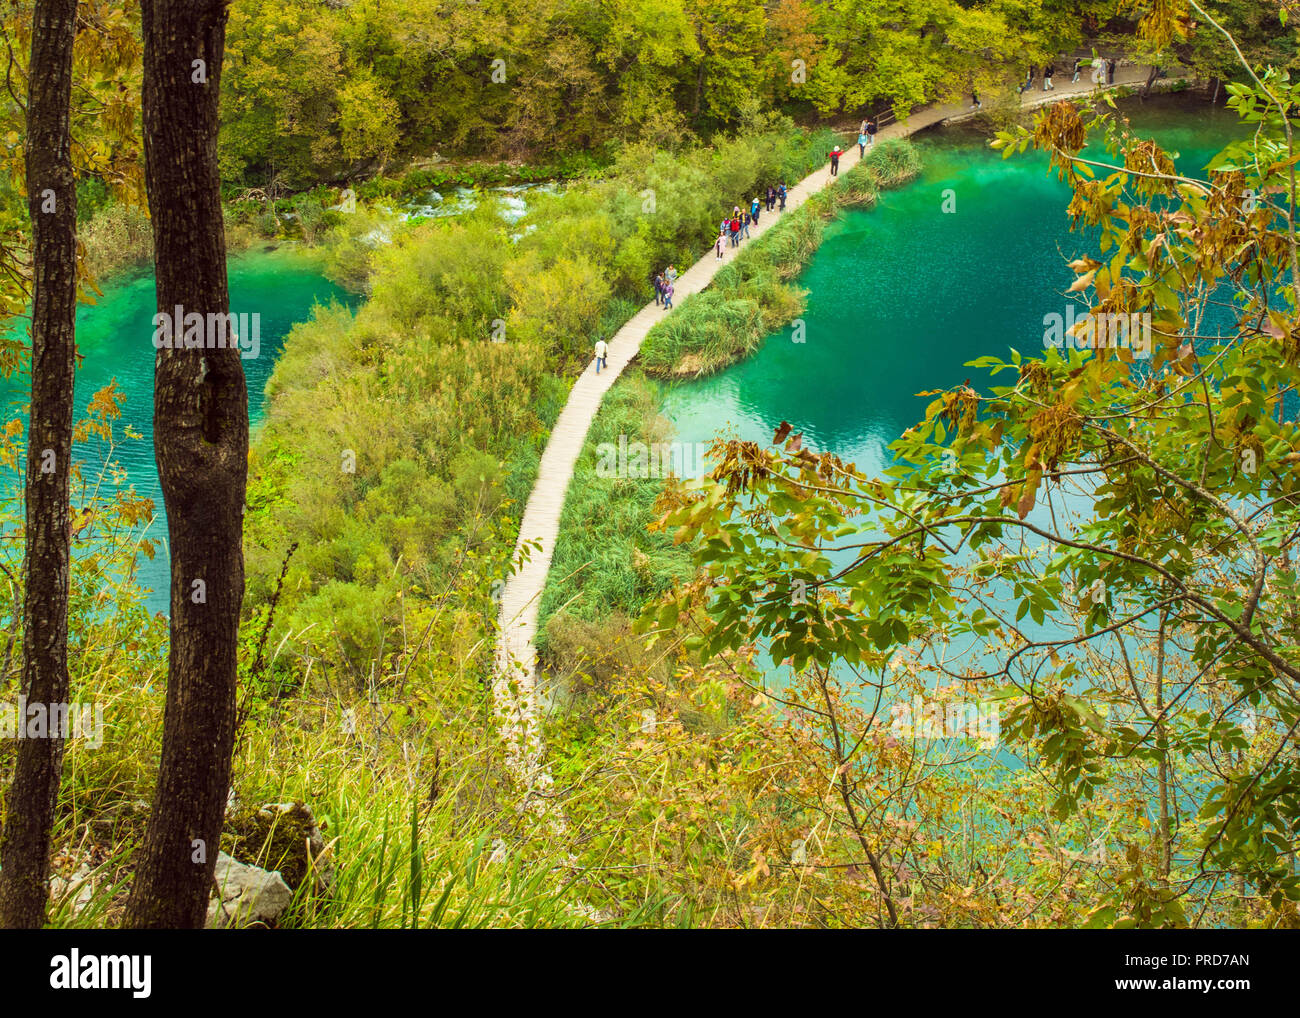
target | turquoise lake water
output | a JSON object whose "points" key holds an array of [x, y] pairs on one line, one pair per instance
{"points": [[115, 339], [902, 296]]}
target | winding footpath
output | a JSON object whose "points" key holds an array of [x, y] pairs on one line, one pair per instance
{"points": [[514, 689]]}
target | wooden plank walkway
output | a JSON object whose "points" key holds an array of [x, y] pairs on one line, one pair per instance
{"points": [[514, 689]]}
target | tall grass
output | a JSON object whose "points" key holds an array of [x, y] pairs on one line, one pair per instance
{"points": [[606, 565]]}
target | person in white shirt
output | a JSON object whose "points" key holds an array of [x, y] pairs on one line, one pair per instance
{"points": [[601, 350]]}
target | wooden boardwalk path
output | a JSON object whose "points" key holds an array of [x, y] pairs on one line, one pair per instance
{"points": [[514, 689]]}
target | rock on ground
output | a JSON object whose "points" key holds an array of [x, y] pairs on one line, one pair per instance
{"points": [[248, 895]]}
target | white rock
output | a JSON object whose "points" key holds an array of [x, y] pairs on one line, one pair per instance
{"points": [[248, 895], [79, 882]]}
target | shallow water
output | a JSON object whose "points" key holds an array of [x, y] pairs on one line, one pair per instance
{"points": [[115, 340]]}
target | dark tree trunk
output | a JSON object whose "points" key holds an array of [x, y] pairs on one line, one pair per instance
{"points": [[201, 445], [1152, 75], [52, 199]]}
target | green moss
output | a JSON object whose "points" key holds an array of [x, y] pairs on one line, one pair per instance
{"points": [[274, 839]]}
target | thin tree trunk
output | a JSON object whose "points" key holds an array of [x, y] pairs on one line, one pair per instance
{"points": [[1162, 746], [52, 200], [846, 796], [1152, 75], [201, 445]]}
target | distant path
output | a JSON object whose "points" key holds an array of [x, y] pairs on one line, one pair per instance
{"points": [[514, 690]]}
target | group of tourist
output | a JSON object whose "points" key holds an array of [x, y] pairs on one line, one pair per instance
{"points": [[664, 283], [866, 138], [735, 227], [1103, 73]]}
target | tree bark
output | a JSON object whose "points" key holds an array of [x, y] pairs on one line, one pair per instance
{"points": [[201, 445], [52, 201], [1152, 75]]}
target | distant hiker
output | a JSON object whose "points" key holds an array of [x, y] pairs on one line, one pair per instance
{"points": [[975, 100], [755, 207], [1078, 68], [668, 296], [862, 144], [717, 246], [836, 152], [1110, 71], [735, 231], [1029, 81], [659, 288], [1048, 71], [744, 225], [1098, 72], [871, 132], [771, 197], [780, 195], [601, 351]]}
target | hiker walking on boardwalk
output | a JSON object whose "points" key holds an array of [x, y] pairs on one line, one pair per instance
{"points": [[1029, 81], [755, 207], [670, 275], [668, 296], [744, 226], [871, 132], [717, 245], [735, 231], [1078, 67], [771, 197], [862, 144], [1048, 71], [780, 195], [601, 351], [836, 152], [659, 288]]}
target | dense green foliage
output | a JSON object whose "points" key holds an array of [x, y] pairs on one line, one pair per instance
{"points": [[400, 444], [319, 92]]}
